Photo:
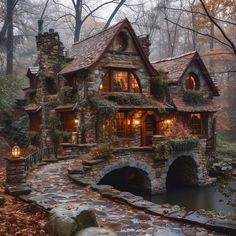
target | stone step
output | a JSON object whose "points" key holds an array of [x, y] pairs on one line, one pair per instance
{"points": [[85, 167], [92, 162]]}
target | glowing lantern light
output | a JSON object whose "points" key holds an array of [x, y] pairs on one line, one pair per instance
{"points": [[15, 151]]}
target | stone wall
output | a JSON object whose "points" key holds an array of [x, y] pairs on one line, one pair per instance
{"points": [[144, 158], [96, 76]]}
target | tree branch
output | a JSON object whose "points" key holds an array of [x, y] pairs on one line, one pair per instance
{"points": [[95, 9], [217, 25], [203, 34], [197, 12], [114, 13]]}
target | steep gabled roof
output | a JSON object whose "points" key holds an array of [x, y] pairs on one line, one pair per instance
{"points": [[210, 106], [86, 53], [176, 67]]}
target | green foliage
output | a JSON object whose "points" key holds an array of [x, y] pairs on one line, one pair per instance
{"points": [[10, 88], [54, 124], [34, 137], [103, 151], [184, 144], [159, 87], [226, 149], [67, 95], [166, 148], [131, 99], [17, 131], [194, 97], [52, 104], [106, 109]]}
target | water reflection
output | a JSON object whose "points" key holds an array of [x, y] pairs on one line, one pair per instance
{"points": [[194, 198]]}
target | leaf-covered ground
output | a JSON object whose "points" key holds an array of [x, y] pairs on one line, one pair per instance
{"points": [[17, 217]]}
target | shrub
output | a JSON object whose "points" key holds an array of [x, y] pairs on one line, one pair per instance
{"points": [[103, 151], [131, 99], [34, 137], [194, 97], [105, 108], [17, 131], [178, 131], [67, 94]]}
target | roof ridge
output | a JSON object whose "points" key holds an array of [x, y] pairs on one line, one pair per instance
{"points": [[102, 31], [173, 58]]}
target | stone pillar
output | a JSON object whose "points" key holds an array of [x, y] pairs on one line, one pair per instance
{"points": [[16, 176], [137, 136]]}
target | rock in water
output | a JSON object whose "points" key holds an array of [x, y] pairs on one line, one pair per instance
{"points": [[95, 231]]}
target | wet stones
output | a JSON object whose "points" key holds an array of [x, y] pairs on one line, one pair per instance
{"points": [[2, 200], [81, 221]]}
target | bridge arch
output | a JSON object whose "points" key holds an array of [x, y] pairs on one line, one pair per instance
{"points": [[136, 172], [183, 170]]}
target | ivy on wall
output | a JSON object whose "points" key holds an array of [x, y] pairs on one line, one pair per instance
{"points": [[159, 87], [67, 94], [194, 97]]}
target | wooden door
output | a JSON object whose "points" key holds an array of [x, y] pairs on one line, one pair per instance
{"points": [[150, 128]]}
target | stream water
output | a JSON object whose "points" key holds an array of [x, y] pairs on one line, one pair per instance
{"points": [[194, 198]]}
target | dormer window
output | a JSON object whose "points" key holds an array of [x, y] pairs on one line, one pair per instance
{"points": [[192, 82], [121, 42], [120, 81]]}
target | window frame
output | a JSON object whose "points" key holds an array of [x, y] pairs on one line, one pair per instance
{"points": [[196, 81], [129, 81]]}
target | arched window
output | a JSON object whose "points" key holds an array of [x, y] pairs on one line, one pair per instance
{"points": [[120, 81], [192, 82], [121, 42]]}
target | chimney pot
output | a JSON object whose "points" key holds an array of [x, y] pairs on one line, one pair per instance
{"points": [[40, 26], [51, 31]]}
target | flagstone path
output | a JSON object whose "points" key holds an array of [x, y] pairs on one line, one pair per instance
{"points": [[51, 187]]}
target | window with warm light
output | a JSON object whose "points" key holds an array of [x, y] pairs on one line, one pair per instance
{"points": [[192, 82], [120, 81]]}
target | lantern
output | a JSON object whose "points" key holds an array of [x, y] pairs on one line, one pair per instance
{"points": [[15, 151], [136, 122], [77, 122], [168, 123]]}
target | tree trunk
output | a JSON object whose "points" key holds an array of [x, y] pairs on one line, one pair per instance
{"points": [[10, 36], [78, 20], [114, 13]]}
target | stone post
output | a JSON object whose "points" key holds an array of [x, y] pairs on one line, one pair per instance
{"points": [[16, 176]]}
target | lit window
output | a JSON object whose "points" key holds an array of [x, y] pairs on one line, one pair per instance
{"points": [[120, 81], [192, 82]]}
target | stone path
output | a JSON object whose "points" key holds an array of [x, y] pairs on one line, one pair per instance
{"points": [[51, 187]]}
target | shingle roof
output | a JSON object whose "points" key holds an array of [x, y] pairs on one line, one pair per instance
{"points": [[210, 106], [32, 108], [86, 53], [175, 66]]}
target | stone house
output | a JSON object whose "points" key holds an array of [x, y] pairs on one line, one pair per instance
{"points": [[105, 90]]}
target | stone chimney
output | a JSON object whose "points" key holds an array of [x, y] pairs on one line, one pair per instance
{"points": [[50, 52], [145, 43], [40, 26]]}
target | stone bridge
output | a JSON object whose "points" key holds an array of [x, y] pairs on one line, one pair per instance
{"points": [[143, 169]]}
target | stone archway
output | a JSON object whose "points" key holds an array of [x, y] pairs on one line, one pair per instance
{"points": [[139, 169], [182, 171], [128, 179]]}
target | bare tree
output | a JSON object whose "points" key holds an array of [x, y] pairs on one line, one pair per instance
{"points": [[81, 11]]}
